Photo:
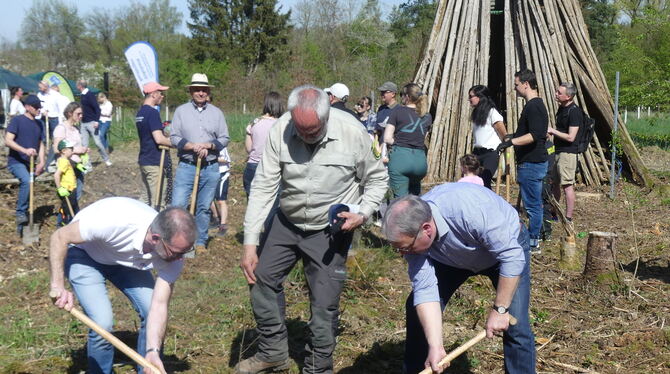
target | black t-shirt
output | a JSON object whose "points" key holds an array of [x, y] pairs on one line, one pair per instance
{"points": [[566, 117], [147, 121], [534, 120], [410, 130], [340, 105]]}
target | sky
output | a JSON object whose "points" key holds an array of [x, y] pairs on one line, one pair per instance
{"points": [[12, 15]]}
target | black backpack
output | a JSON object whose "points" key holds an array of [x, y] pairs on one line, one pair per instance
{"points": [[586, 131]]}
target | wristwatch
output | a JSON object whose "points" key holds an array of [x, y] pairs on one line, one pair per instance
{"points": [[500, 309]]}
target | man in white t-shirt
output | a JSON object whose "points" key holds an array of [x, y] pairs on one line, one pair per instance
{"points": [[121, 240]]}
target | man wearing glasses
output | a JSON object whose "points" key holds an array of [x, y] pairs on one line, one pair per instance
{"points": [[121, 240], [199, 131], [150, 132], [453, 232]]}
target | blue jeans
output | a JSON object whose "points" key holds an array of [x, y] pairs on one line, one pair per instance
{"points": [[103, 128], [87, 130], [407, 167], [21, 172], [530, 176], [518, 340], [248, 176], [88, 279], [183, 186]]}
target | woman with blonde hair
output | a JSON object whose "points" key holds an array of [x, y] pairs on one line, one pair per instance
{"points": [[405, 134]]}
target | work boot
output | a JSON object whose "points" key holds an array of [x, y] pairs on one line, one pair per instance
{"points": [[21, 219], [254, 365]]}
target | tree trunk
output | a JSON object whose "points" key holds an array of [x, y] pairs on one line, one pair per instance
{"points": [[600, 254]]}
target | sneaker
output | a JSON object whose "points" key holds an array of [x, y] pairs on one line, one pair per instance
{"points": [[223, 228], [535, 247], [21, 219], [51, 168], [108, 163], [254, 365]]}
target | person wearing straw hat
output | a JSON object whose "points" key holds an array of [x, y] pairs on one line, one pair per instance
{"points": [[199, 131], [24, 137], [150, 132]]}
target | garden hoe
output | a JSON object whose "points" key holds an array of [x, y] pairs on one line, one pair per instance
{"points": [[31, 233], [464, 347], [121, 346]]}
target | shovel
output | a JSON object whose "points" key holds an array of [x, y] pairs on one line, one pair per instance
{"points": [[31, 233], [159, 184], [121, 346], [196, 180], [464, 347]]}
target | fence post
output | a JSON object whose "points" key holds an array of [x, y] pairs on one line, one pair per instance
{"points": [[616, 128]]}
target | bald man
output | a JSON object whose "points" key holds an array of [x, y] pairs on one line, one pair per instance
{"points": [[320, 157]]}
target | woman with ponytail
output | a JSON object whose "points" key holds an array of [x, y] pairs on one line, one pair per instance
{"points": [[488, 130], [405, 134]]}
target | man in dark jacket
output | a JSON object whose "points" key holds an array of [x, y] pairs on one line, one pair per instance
{"points": [[338, 94], [89, 122]]}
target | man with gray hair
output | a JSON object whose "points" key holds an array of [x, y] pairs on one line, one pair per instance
{"points": [[121, 240], [569, 119], [322, 160], [453, 232]]}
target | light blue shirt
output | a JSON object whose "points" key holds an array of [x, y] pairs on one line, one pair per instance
{"points": [[476, 228]]}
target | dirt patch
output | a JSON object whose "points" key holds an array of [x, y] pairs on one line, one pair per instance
{"points": [[616, 327]]}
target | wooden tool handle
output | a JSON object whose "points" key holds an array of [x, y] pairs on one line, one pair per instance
{"points": [[194, 194], [31, 206], [159, 183], [464, 347], [499, 173], [67, 199], [111, 338]]}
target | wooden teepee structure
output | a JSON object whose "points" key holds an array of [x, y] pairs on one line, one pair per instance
{"points": [[486, 42]]}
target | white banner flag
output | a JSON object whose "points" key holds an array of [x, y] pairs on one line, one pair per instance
{"points": [[143, 61]]}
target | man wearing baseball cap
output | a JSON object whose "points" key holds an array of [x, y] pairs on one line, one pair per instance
{"points": [[387, 94], [339, 94], [199, 131], [24, 137], [150, 132]]}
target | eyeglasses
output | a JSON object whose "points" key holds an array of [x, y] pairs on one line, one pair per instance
{"points": [[409, 247], [384, 92], [171, 253]]}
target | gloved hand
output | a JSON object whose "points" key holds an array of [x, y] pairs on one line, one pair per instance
{"points": [[81, 167], [63, 192], [504, 145], [84, 159]]}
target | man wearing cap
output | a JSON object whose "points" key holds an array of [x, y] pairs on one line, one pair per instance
{"points": [[322, 158], [199, 131], [339, 94], [89, 122], [24, 137], [150, 132], [121, 240], [387, 94]]}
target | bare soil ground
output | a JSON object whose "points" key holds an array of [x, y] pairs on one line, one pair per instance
{"points": [[617, 325]]}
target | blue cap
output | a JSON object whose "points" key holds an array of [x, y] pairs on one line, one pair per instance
{"points": [[33, 101]]}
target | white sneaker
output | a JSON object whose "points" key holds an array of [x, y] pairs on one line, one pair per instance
{"points": [[108, 162]]}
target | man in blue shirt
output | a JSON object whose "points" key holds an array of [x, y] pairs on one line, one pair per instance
{"points": [[199, 131], [453, 232], [90, 120], [24, 138], [150, 133]]}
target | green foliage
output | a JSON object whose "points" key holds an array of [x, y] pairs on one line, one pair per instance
{"points": [[600, 17], [55, 30], [650, 131], [250, 31]]}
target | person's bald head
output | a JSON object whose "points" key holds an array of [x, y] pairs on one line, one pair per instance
{"points": [[309, 107]]}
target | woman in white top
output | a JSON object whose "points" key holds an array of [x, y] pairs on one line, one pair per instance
{"points": [[488, 130], [16, 106], [106, 109]]}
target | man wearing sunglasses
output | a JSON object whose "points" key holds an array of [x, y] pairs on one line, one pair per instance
{"points": [[453, 232], [121, 240]]}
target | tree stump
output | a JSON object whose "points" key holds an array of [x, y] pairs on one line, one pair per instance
{"points": [[600, 254]]}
